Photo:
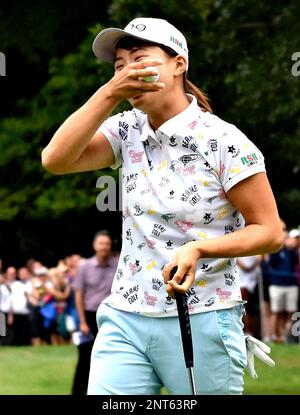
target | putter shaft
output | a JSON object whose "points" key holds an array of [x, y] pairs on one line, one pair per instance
{"points": [[192, 380], [186, 333]]}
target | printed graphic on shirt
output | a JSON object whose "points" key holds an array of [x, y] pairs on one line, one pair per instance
{"points": [[201, 283], [172, 141], [223, 295], [150, 299], [229, 279], [135, 267], [131, 295], [157, 284], [119, 274], [250, 159], [151, 264], [158, 229], [123, 130], [129, 236], [192, 297], [130, 182], [169, 300], [168, 216], [138, 210], [208, 218], [174, 192], [136, 157], [191, 195], [150, 242], [183, 225], [234, 152], [190, 143], [169, 245], [213, 144]]}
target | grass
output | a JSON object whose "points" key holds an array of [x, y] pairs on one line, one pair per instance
{"points": [[45, 370], [283, 379], [49, 370]]}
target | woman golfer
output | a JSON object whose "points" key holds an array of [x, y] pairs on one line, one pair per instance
{"points": [[195, 195]]}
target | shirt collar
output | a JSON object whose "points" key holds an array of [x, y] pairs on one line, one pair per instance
{"points": [[173, 125]]}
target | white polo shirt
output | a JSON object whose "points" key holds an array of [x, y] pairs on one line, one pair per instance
{"points": [[174, 183]]}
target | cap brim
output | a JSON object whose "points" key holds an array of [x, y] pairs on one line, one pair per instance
{"points": [[104, 43]]}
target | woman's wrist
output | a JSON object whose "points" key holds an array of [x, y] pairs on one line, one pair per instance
{"points": [[198, 250], [108, 93], [102, 100]]}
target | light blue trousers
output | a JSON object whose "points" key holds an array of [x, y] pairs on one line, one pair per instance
{"points": [[137, 355]]}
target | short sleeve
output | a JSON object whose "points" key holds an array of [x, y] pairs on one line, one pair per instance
{"points": [[111, 128], [239, 158], [79, 280]]}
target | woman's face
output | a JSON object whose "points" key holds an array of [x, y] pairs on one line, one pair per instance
{"points": [[124, 57]]}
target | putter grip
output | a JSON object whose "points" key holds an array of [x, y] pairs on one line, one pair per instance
{"points": [[185, 325]]}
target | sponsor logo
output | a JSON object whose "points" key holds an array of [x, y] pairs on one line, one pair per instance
{"points": [[250, 159], [177, 42]]}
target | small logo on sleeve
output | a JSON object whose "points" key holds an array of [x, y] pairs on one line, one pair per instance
{"points": [[250, 159]]}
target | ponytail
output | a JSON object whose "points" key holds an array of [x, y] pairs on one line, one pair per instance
{"points": [[201, 97]]}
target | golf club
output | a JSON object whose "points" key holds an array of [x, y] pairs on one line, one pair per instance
{"points": [[186, 332]]}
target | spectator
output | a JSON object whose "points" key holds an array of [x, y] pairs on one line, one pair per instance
{"points": [[38, 296], [73, 263], [24, 275], [267, 334], [6, 305], [59, 288], [294, 242], [3, 295], [283, 288], [92, 285], [11, 275], [32, 265], [247, 268], [21, 333]]}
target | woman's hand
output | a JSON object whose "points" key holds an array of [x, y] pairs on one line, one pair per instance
{"points": [[185, 258], [127, 82]]}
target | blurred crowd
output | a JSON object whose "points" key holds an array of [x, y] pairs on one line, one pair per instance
{"points": [[39, 302], [271, 286]]}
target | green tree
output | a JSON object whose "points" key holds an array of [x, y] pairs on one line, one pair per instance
{"points": [[26, 189]]}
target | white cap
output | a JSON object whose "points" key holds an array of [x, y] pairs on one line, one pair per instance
{"points": [[155, 30], [294, 233], [41, 271]]}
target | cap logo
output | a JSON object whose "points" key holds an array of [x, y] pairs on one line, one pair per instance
{"points": [[139, 27], [177, 42]]}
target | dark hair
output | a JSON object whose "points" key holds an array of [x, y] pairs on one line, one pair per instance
{"points": [[129, 42], [103, 232]]}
